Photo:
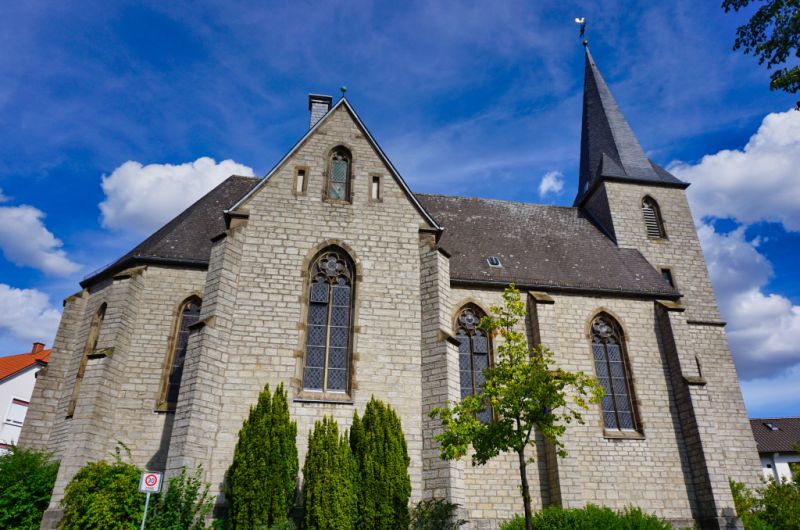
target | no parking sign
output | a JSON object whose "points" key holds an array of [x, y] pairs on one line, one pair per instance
{"points": [[150, 482]]}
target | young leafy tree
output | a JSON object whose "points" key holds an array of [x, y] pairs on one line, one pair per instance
{"points": [[26, 481], [380, 450], [330, 475], [526, 393], [185, 505], [262, 479], [772, 34]]}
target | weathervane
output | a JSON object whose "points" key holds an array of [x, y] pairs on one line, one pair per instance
{"points": [[582, 22]]}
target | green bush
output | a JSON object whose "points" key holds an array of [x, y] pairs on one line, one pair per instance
{"points": [[184, 506], [103, 495], [776, 506], [330, 477], [262, 480], [26, 481], [380, 450], [594, 517], [436, 514]]}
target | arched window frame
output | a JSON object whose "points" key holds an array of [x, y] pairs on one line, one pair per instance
{"points": [[618, 409], [89, 348], [329, 323], [471, 360], [181, 324], [335, 189], [653, 222]]}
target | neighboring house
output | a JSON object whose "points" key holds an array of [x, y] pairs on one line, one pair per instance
{"points": [[17, 379], [332, 277], [778, 441]]}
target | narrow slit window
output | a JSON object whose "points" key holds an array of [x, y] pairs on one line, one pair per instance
{"points": [[300, 181], [474, 354], [654, 224], [91, 346], [666, 274], [375, 188]]}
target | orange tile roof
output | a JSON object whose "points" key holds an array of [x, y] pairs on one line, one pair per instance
{"points": [[14, 363]]}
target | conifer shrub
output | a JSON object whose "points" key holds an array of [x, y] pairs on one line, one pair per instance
{"points": [[262, 480], [185, 505], [595, 517], [26, 481], [330, 475], [380, 450]]}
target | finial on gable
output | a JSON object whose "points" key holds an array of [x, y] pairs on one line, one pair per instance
{"points": [[582, 22], [343, 89]]}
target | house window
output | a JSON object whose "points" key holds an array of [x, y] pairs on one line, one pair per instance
{"points": [[188, 314], [16, 412], [666, 274], [300, 181], [329, 328], [613, 373], [653, 222], [473, 354], [91, 346], [339, 176], [375, 191]]}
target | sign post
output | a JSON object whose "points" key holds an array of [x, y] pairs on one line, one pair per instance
{"points": [[150, 483]]}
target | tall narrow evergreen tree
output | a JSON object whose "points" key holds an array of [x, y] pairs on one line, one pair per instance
{"points": [[381, 453], [262, 479], [329, 480]]}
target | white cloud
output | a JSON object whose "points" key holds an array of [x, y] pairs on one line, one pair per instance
{"points": [[757, 183], [26, 241], [552, 183], [142, 198], [27, 314], [763, 328]]}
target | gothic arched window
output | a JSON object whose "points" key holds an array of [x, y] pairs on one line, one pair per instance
{"points": [[339, 175], [188, 314], [653, 222], [91, 346], [613, 373], [329, 329], [473, 354]]}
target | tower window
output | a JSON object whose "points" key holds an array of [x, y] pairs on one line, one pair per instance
{"points": [[339, 175], [654, 224]]}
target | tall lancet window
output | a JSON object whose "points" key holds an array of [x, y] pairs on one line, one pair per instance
{"points": [[473, 354], [188, 314], [653, 223], [329, 330], [339, 175], [613, 373]]}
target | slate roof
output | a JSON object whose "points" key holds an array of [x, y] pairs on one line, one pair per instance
{"points": [[539, 246], [784, 440], [14, 364], [186, 240], [609, 149]]}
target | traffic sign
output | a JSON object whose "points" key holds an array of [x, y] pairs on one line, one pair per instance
{"points": [[150, 482]]}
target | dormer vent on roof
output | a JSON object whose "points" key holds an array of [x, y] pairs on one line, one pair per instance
{"points": [[318, 106]]}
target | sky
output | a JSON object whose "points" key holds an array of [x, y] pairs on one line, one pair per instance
{"points": [[114, 116]]}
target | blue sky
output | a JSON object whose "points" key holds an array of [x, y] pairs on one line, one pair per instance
{"points": [[101, 105]]}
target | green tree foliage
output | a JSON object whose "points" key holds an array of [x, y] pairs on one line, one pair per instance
{"points": [[184, 506], [26, 481], [262, 479], [104, 495], [525, 392], [596, 517], [380, 450], [435, 514], [776, 506], [330, 475], [772, 34]]}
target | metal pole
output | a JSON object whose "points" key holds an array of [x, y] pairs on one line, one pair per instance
{"points": [[146, 504]]}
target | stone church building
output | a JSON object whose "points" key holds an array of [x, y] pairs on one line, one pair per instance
{"points": [[331, 276]]}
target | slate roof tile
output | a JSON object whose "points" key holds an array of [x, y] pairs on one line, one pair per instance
{"points": [[785, 439]]}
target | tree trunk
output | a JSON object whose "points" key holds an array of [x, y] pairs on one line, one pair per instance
{"points": [[526, 492]]}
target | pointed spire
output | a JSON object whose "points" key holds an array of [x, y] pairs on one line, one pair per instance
{"points": [[609, 149]]}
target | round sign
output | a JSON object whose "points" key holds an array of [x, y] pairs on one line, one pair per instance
{"points": [[151, 480]]}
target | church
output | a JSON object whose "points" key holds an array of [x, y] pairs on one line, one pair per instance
{"points": [[331, 276]]}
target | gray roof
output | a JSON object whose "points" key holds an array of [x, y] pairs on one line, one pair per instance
{"points": [[783, 439], [609, 149], [539, 246]]}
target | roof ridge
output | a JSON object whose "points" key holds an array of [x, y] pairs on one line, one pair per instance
{"points": [[488, 199]]}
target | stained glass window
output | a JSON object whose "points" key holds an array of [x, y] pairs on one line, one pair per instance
{"points": [[608, 349], [329, 323], [338, 182], [473, 354], [189, 314]]}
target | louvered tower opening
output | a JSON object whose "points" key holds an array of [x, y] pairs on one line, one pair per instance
{"points": [[652, 219]]}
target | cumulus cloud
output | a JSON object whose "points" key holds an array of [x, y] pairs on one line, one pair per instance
{"points": [[141, 198], [27, 314], [757, 183], [26, 241], [552, 184]]}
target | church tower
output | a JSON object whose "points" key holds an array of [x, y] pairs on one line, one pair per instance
{"points": [[641, 206]]}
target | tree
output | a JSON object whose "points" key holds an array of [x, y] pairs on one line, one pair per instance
{"points": [[26, 481], [262, 479], [330, 475], [525, 393], [772, 34], [380, 451], [184, 506]]}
